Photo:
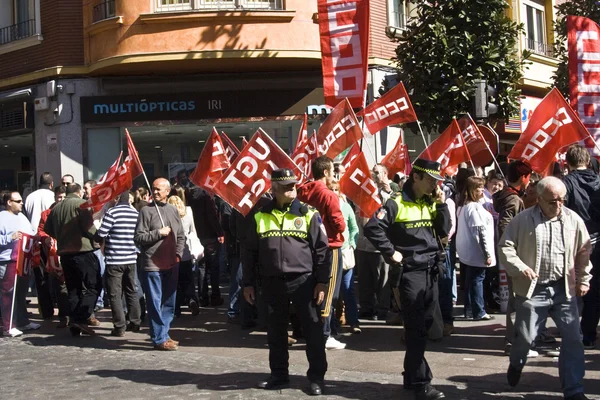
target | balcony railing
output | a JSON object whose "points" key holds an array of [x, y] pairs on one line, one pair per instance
{"points": [[540, 48], [18, 31], [218, 5], [104, 10]]}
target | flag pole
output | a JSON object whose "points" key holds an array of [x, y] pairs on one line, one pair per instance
{"points": [[162, 221], [12, 307], [468, 152], [422, 134], [593, 141], [490, 150]]}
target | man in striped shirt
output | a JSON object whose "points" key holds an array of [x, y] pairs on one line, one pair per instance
{"points": [[117, 231]]}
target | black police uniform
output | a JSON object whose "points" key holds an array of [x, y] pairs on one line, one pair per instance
{"points": [[409, 225], [288, 248]]}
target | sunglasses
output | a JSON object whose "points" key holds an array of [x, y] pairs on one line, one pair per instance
{"points": [[16, 201]]}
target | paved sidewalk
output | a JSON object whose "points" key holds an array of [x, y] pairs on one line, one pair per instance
{"points": [[217, 360]]}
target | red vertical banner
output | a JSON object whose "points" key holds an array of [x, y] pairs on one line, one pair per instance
{"points": [[583, 38], [344, 30]]}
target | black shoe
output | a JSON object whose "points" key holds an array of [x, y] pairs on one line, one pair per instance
{"points": [[316, 388], [75, 331], [133, 327], [249, 325], [513, 375], [274, 383], [577, 396], [194, 307], [216, 301], [428, 392], [204, 302]]}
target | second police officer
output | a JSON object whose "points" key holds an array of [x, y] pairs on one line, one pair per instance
{"points": [[406, 230]]}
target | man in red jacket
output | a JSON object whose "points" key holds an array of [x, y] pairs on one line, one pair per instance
{"points": [[317, 194]]}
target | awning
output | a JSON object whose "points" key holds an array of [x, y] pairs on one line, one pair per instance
{"points": [[21, 95]]}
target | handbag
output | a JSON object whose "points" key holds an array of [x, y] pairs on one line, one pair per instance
{"points": [[196, 248], [348, 261]]}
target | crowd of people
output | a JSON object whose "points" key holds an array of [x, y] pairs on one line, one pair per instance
{"points": [[294, 261]]}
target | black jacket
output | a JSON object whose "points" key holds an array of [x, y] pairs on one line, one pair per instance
{"points": [[206, 219], [409, 226], [582, 197], [277, 252]]}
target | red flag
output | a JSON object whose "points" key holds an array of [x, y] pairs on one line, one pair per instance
{"points": [[244, 142], [303, 134], [449, 149], [134, 165], [52, 262], [397, 160], [25, 249], [304, 155], [474, 140], [394, 107], [211, 163], [583, 38], [231, 149], [339, 131], [553, 125], [249, 177], [359, 187], [351, 156], [344, 29], [114, 182]]}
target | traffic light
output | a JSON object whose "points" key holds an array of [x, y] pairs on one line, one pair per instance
{"points": [[484, 95]]}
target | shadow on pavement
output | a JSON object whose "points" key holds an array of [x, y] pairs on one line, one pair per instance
{"points": [[239, 381]]}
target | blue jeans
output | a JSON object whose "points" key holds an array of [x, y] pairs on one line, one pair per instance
{"points": [[445, 285], [100, 301], [350, 297], [161, 290], [474, 290], [551, 301]]}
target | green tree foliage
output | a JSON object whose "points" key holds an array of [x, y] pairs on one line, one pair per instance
{"points": [[582, 8], [451, 43]]}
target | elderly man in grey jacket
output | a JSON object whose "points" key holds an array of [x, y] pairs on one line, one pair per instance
{"points": [[160, 237], [546, 251]]}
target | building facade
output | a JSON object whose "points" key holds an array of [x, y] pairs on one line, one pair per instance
{"points": [[168, 71]]}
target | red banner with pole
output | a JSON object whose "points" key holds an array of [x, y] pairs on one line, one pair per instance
{"points": [[358, 186], [249, 177], [553, 126], [211, 163], [393, 108], [449, 149], [344, 30], [231, 150], [397, 160], [339, 131]]}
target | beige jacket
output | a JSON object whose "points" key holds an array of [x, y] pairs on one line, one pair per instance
{"points": [[519, 249]]}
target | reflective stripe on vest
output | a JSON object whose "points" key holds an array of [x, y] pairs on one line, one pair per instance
{"points": [[414, 215], [281, 223]]}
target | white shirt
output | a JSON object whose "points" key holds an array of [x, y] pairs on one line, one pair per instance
{"points": [[36, 203], [471, 218]]}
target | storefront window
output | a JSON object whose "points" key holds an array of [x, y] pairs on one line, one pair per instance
{"points": [[103, 147]]}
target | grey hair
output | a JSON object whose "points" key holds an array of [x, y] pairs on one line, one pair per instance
{"points": [[551, 182]]}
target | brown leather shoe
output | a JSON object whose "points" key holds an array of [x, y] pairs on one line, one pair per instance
{"points": [[173, 341], [93, 321], [169, 345], [291, 341]]}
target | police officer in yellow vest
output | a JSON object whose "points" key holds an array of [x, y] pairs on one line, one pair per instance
{"points": [[287, 246], [405, 230]]}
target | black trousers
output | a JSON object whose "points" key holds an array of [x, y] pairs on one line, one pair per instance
{"points": [[120, 280], [590, 315], [82, 276], [278, 292], [418, 295]]}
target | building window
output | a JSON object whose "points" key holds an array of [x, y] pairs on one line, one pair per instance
{"points": [[104, 10], [534, 18], [21, 23], [397, 13], [181, 5]]}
